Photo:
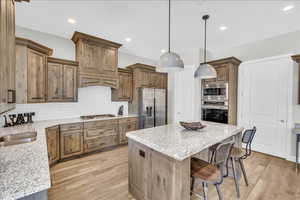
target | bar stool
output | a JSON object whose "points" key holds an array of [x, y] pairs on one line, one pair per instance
{"points": [[209, 173], [237, 154]]}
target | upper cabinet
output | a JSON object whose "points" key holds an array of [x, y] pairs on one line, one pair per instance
{"points": [[124, 91], [296, 58], [145, 76], [62, 80], [7, 55], [98, 60], [31, 68]]}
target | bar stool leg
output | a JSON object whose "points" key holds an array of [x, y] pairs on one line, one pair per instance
{"points": [[219, 192], [244, 171], [235, 178], [192, 185], [204, 185], [297, 151]]}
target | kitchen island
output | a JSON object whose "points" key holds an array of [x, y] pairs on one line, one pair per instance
{"points": [[159, 158]]}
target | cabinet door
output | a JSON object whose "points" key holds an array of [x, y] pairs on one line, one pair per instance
{"points": [[53, 144], [70, 83], [55, 82], [71, 143], [110, 62], [90, 56], [36, 81], [145, 79], [222, 73], [127, 87], [7, 55], [122, 133], [139, 171]]}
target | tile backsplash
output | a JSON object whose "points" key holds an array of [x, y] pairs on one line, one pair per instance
{"points": [[91, 100]]}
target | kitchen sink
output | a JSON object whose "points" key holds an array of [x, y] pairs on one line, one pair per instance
{"points": [[87, 117], [19, 138]]}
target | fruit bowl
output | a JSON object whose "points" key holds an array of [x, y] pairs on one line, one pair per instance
{"points": [[192, 125]]}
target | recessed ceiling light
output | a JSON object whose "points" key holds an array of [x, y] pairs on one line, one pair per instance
{"points": [[163, 51], [223, 28], [128, 39], [289, 7], [71, 21]]}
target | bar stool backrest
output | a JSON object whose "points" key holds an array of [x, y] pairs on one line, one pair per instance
{"points": [[222, 153], [247, 139]]}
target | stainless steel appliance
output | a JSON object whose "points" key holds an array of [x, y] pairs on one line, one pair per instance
{"points": [[215, 102], [152, 107]]}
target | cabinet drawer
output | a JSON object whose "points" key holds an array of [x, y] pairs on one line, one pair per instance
{"points": [[99, 143], [101, 124], [71, 127], [128, 120], [131, 126], [106, 131]]}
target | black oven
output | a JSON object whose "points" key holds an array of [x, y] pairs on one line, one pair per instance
{"points": [[214, 91], [215, 115]]}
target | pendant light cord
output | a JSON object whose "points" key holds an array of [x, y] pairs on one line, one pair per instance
{"points": [[169, 26], [205, 41]]}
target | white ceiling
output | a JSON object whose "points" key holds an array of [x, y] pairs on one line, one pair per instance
{"points": [[145, 21]]}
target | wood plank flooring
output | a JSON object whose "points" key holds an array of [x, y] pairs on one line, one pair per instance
{"points": [[103, 176]]}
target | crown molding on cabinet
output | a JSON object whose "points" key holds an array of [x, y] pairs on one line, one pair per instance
{"points": [[141, 66], [62, 61], [34, 45], [232, 60], [78, 35], [296, 58]]}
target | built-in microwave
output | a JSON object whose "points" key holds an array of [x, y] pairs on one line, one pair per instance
{"points": [[215, 115], [215, 91]]}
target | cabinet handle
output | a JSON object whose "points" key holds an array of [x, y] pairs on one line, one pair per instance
{"points": [[36, 98], [11, 94], [142, 153]]}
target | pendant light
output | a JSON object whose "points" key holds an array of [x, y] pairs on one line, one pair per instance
{"points": [[205, 70], [170, 60]]}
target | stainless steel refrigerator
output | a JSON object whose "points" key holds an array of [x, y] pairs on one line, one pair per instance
{"points": [[152, 107]]}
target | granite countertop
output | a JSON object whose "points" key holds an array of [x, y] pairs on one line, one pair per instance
{"points": [[178, 143], [24, 168]]}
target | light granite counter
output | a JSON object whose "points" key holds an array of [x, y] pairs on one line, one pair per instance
{"points": [[178, 143], [24, 168]]}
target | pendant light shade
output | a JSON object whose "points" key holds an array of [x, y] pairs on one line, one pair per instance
{"points": [[170, 60], [205, 70]]}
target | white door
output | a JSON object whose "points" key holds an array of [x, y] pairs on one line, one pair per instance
{"points": [[264, 97]]}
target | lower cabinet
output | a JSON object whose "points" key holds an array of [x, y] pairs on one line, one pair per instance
{"points": [[52, 134], [126, 125], [68, 140], [71, 143], [100, 134]]}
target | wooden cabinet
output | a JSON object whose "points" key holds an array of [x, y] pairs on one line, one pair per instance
{"points": [[71, 141], [36, 83], [52, 134], [7, 55], [296, 58], [31, 68], [124, 91], [139, 170], [227, 71], [145, 76], [100, 134], [62, 80], [98, 60], [222, 73], [126, 125]]}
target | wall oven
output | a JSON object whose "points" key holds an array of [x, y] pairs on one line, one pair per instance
{"points": [[215, 115], [214, 102]]}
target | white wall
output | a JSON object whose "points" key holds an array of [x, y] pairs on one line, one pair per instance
{"points": [[280, 45], [91, 100]]}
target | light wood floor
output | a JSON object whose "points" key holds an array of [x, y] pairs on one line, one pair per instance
{"points": [[103, 176]]}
